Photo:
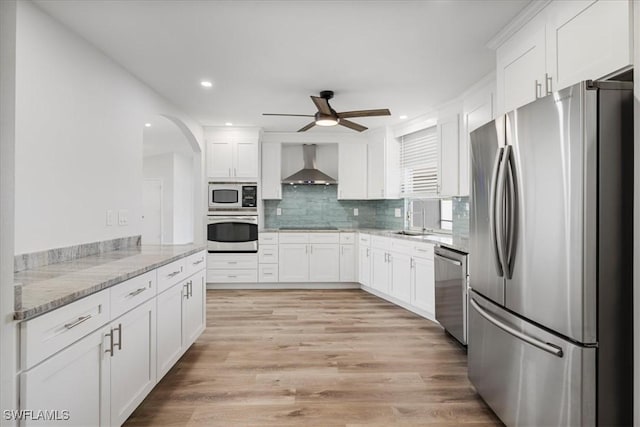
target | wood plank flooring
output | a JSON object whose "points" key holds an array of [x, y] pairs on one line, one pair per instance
{"points": [[315, 358]]}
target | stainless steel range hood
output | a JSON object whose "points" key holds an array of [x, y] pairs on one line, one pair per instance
{"points": [[310, 174]]}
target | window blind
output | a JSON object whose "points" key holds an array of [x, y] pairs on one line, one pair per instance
{"points": [[419, 163]]}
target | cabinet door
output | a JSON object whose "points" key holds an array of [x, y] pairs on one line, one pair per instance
{"points": [[169, 326], [293, 262], [347, 263], [375, 167], [220, 159], [603, 26], [423, 285], [324, 262], [364, 266], [271, 171], [379, 270], [352, 171], [133, 365], [194, 309], [245, 159], [400, 276], [448, 138], [76, 380], [521, 67]]}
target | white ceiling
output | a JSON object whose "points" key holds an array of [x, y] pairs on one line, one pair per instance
{"points": [[162, 137], [269, 56]]}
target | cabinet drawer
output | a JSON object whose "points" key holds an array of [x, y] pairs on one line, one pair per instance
{"points": [[324, 237], [402, 246], [267, 238], [268, 254], [293, 238], [232, 261], [268, 273], [196, 262], [132, 293], [424, 250], [45, 335], [170, 274], [232, 276], [380, 242], [364, 239], [347, 238]]}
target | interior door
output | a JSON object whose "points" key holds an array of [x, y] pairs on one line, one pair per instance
{"points": [[548, 284], [485, 271]]}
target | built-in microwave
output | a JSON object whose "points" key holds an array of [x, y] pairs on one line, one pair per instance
{"points": [[233, 196]]}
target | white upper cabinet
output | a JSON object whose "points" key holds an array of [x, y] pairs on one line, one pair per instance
{"points": [[232, 154], [565, 43], [352, 171], [271, 171], [383, 165], [449, 145]]}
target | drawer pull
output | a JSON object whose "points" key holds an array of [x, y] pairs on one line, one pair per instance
{"points": [[175, 273], [110, 349], [231, 277], [137, 291], [119, 329], [77, 322], [421, 250], [200, 261], [268, 274], [232, 262], [190, 288]]}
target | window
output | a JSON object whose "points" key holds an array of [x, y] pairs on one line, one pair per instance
{"points": [[419, 163], [446, 214], [431, 214]]}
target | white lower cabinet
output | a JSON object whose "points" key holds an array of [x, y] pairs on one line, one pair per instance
{"points": [[347, 263], [400, 276], [299, 262], [76, 380], [423, 284], [380, 270], [364, 265], [324, 262], [133, 360], [104, 375], [293, 259]]}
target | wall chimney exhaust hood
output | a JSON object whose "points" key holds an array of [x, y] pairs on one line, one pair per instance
{"points": [[309, 174]]}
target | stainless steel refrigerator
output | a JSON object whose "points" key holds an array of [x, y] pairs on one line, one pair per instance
{"points": [[551, 269]]}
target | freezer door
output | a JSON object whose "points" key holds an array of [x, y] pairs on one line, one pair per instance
{"points": [[528, 376], [552, 182], [485, 269]]}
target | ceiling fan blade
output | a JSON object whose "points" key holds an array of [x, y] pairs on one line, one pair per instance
{"points": [[322, 105], [307, 127], [365, 113], [352, 125], [288, 115]]}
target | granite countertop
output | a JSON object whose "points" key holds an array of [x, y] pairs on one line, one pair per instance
{"points": [[447, 240], [43, 289]]}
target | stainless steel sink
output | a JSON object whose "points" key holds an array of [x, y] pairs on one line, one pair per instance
{"points": [[408, 233]]}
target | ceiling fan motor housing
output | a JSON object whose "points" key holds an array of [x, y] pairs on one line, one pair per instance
{"points": [[326, 94]]}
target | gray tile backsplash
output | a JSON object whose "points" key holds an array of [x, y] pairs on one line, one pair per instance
{"points": [[318, 205]]}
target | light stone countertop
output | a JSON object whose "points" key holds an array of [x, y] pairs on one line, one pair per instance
{"points": [[43, 289], [449, 241]]}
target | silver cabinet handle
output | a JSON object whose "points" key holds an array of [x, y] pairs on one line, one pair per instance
{"points": [[230, 172], [119, 329], [110, 349], [175, 273], [412, 264], [137, 291], [231, 276], [538, 88], [306, 249], [186, 290], [390, 258], [549, 348], [367, 252], [311, 248], [547, 83], [77, 322], [200, 261], [234, 172], [232, 262], [190, 288], [449, 260]]}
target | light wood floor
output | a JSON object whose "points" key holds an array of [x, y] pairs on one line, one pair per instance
{"points": [[315, 358]]}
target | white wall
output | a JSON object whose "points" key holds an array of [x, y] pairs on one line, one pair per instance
{"points": [[79, 121], [182, 199], [161, 167]]}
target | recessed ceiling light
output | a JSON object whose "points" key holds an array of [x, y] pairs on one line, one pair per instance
{"points": [[403, 117], [228, 124], [147, 125], [206, 83]]}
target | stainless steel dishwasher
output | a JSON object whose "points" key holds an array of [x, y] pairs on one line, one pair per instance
{"points": [[451, 291]]}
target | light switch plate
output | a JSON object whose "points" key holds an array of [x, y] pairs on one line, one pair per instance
{"points": [[109, 217], [355, 211], [398, 212], [278, 211], [123, 217]]}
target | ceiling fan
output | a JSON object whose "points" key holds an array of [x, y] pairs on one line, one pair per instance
{"points": [[327, 116]]}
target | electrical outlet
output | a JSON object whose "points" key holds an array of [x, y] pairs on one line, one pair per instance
{"points": [[355, 211], [278, 211], [398, 212], [109, 217], [123, 217]]}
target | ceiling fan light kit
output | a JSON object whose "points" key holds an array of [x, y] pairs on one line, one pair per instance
{"points": [[327, 116]]}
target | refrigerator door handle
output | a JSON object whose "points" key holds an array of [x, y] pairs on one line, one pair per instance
{"points": [[492, 212], [511, 206], [500, 221], [549, 348]]}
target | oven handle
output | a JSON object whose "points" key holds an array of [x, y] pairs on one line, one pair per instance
{"points": [[449, 260], [239, 219]]}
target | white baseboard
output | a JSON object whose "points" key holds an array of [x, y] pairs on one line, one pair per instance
{"points": [[419, 312], [281, 285]]}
